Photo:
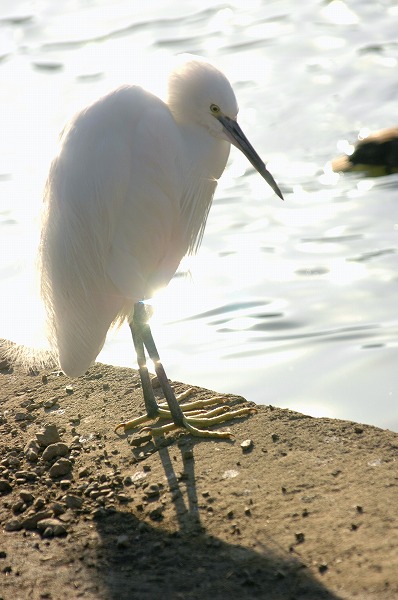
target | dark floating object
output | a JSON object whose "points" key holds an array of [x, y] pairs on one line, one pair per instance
{"points": [[376, 154]]}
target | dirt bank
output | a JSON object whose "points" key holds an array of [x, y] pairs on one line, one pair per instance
{"points": [[307, 510]]}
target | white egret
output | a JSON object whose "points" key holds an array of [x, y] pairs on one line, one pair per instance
{"points": [[126, 198]]}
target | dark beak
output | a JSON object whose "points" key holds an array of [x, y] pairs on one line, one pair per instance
{"points": [[238, 139]]}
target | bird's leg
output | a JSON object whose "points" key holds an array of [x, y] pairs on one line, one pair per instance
{"points": [[194, 416], [142, 332], [147, 389]]}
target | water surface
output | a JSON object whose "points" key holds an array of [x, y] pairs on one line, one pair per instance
{"points": [[292, 304]]}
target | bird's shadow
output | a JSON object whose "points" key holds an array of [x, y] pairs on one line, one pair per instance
{"points": [[191, 563]]}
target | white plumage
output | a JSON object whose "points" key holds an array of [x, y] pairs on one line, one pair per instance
{"points": [[126, 198]]}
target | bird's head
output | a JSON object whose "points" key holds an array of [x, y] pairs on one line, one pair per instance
{"points": [[199, 93]]}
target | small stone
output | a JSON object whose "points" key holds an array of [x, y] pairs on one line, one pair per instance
{"points": [[69, 389], [275, 437], [13, 525], [358, 429], [48, 532], [20, 416], [57, 449], [30, 522], [26, 496], [74, 502], [152, 491], [54, 526], [49, 403], [26, 475], [65, 484], [39, 503], [18, 506], [323, 568], [33, 446], [230, 514], [247, 445], [48, 435], [44, 379], [84, 472], [4, 364], [248, 512], [123, 497], [156, 514], [63, 466], [99, 513], [5, 486], [359, 509], [58, 509], [300, 537]]}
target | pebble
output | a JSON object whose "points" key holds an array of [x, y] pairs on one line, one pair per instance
{"points": [[152, 491], [323, 568], [58, 508], [57, 449], [18, 506], [247, 445], [51, 527], [99, 513], [26, 475], [48, 435], [84, 472], [72, 501], [63, 466], [32, 450], [50, 403], [123, 497], [39, 503], [156, 514], [300, 537], [26, 496], [31, 521], [5, 486], [13, 525], [21, 416]]}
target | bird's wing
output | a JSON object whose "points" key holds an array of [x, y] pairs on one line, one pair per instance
{"points": [[95, 221], [148, 241]]}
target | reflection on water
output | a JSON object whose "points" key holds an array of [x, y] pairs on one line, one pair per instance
{"points": [[290, 303]]}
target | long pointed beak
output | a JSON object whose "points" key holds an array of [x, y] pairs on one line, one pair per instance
{"points": [[238, 139]]}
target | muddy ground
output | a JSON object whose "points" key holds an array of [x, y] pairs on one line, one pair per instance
{"points": [[306, 510]]}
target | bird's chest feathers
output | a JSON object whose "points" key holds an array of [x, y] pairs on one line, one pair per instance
{"points": [[203, 166]]}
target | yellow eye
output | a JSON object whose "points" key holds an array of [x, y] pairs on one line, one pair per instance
{"points": [[214, 109]]}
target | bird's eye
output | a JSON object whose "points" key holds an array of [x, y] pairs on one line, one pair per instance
{"points": [[214, 109]]}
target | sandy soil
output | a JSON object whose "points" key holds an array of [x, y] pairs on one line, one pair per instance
{"points": [[306, 510]]}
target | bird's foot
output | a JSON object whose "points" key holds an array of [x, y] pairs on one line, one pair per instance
{"points": [[196, 416]]}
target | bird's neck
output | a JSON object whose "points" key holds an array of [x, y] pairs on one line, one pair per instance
{"points": [[205, 154]]}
